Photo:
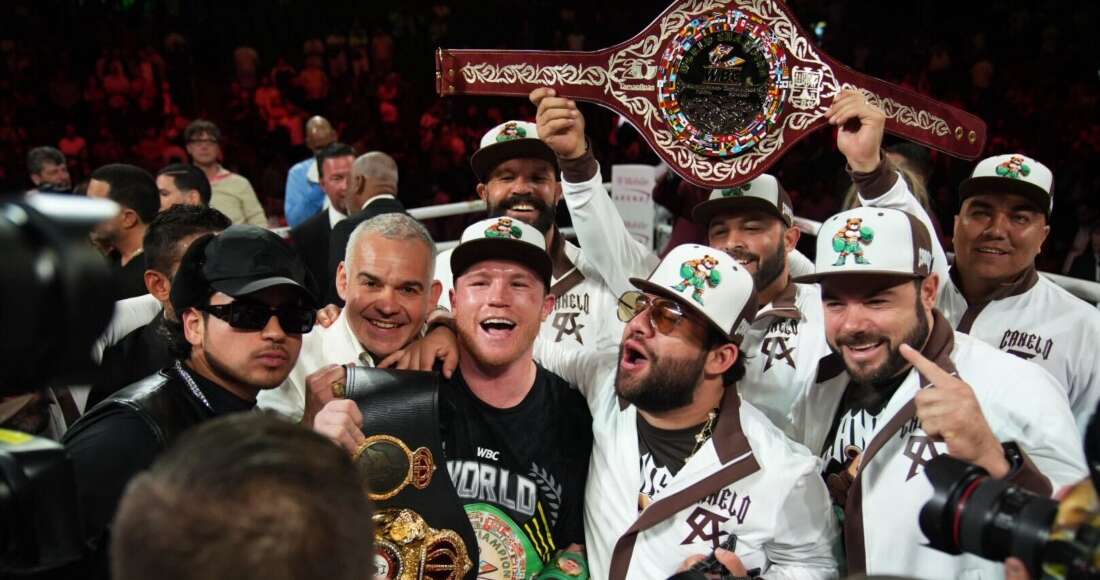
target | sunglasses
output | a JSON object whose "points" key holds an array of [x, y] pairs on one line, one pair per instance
{"points": [[252, 316], [664, 314], [203, 141]]}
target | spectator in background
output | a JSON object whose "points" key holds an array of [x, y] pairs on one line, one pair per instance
{"points": [[1087, 265], [230, 479], [135, 191], [145, 350], [231, 193], [372, 191], [75, 148], [312, 236], [304, 194], [182, 183], [48, 170]]}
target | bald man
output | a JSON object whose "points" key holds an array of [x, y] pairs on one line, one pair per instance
{"points": [[372, 190], [304, 195]]}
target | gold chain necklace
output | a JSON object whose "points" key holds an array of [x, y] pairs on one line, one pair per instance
{"points": [[704, 433]]}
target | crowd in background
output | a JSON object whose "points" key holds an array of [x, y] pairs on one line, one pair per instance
{"points": [[108, 81]]}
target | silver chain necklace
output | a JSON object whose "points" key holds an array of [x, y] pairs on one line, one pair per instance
{"points": [[186, 376]]}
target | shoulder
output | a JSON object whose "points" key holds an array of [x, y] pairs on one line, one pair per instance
{"points": [[559, 388], [301, 167], [991, 371], [233, 181], [779, 456], [317, 223], [1060, 300]]}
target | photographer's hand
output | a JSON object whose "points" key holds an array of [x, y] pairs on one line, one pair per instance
{"points": [[949, 411]]}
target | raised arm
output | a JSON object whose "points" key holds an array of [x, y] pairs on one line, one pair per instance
{"points": [[608, 246], [859, 137]]}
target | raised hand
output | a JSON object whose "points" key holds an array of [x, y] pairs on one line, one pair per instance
{"points": [[949, 411], [860, 129], [560, 123]]}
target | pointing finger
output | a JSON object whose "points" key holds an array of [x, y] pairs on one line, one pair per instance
{"points": [[928, 369]]}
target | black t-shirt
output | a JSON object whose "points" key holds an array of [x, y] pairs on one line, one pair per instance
{"points": [[663, 453], [128, 280], [519, 472], [856, 419], [138, 355]]}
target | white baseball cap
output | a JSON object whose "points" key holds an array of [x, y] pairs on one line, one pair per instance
{"points": [[763, 192], [502, 238], [510, 140], [1011, 173], [872, 240], [708, 281]]}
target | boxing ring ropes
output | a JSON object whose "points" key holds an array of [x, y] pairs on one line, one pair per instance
{"points": [[1083, 289]]}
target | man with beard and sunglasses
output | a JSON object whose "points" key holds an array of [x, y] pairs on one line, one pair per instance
{"points": [[243, 299], [753, 222], [902, 387], [993, 291], [518, 179], [681, 466]]}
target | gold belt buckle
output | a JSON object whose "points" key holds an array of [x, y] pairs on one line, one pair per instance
{"points": [[407, 548], [389, 466]]}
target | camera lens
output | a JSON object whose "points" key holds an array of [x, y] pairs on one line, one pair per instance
{"points": [[970, 512]]}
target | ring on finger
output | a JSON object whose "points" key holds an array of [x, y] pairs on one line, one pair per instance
{"points": [[339, 388]]}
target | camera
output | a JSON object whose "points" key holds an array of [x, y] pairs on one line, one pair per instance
{"points": [[54, 303], [973, 513]]}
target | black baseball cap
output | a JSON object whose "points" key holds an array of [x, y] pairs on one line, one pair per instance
{"points": [[241, 260]]}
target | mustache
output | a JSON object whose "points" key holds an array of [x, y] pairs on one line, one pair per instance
{"points": [[859, 338], [740, 254], [523, 199]]}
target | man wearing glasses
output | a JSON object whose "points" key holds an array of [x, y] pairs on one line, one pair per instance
{"points": [[681, 466], [232, 194], [753, 223], [243, 299]]}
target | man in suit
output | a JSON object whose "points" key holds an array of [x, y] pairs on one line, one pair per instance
{"points": [[304, 195], [372, 191], [312, 236]]}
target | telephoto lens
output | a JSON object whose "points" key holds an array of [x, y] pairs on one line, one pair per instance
{"points": [[974, 513]]}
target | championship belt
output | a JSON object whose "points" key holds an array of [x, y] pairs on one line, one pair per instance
{"points": [[420, 527], [720, 89]]}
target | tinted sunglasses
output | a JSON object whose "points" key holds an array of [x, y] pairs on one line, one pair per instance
{"points": [[253, 316], [664, 314]]}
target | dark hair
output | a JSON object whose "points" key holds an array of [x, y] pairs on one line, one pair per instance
{"points": [[200, 126], [190, 284], [131, 187], [162, 237], [916, 157], [332, 151], [737, 371], [38, 157], [188, 177], [245, 496]]}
